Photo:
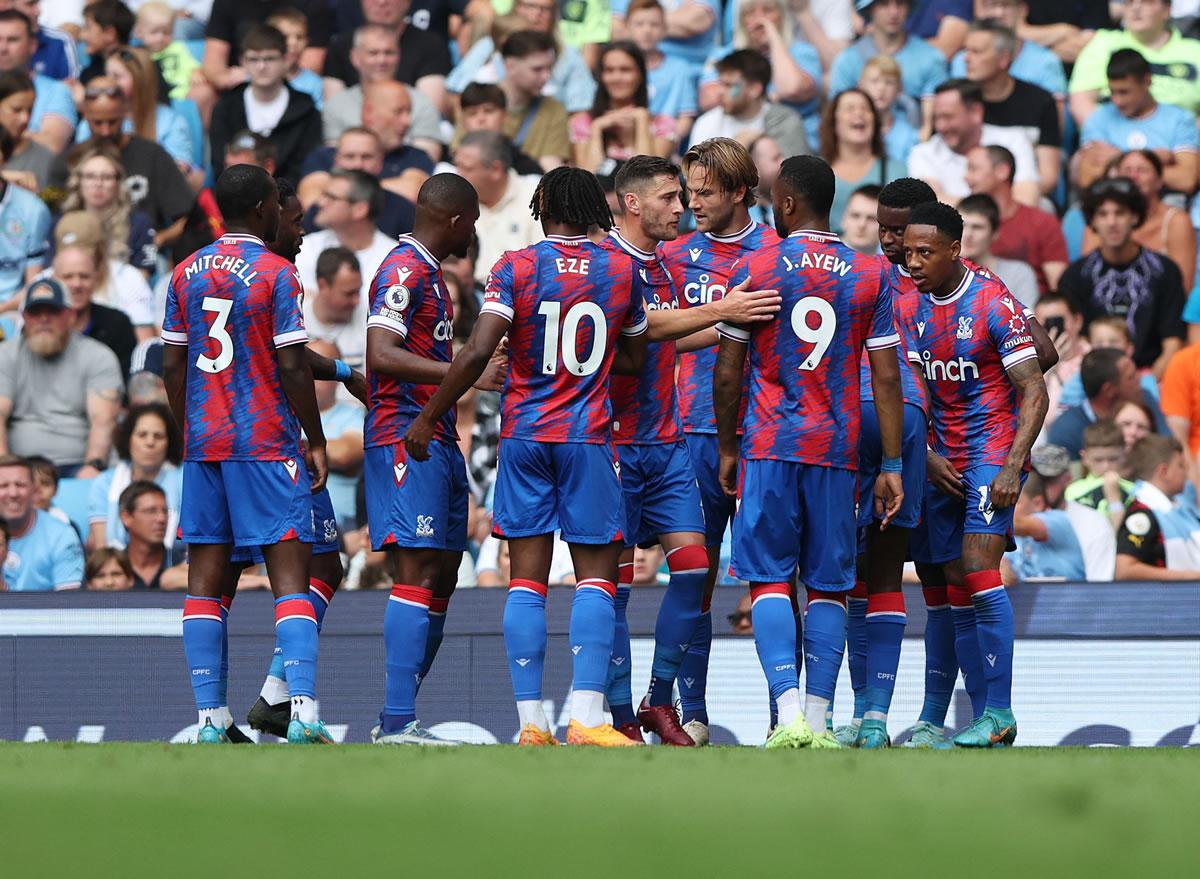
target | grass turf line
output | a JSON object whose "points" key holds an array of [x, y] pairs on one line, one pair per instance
{"points": [[160, 810]]}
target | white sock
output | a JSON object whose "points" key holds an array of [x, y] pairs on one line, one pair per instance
{"points": [[227, 719], [875, 715], [587, 706], [215, 716], [788, 706], [814, 711], [305, 707], [531, 713], [274, 690]]}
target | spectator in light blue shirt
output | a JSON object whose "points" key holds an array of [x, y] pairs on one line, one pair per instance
{"points": [[670, 82], [53, 121], [881, 80], [294, 26], [923, 67], [25, 227], [694, 26], [765, 26], [1047, 546], [1031, 62], [44, 554], [571, 83]]}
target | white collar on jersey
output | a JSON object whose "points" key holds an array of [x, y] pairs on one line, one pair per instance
{"points": [[736, 236], [570, 240], [623, 243], [233, 237], [903, 270], [420, 248], [963, 285], [815, 235]]}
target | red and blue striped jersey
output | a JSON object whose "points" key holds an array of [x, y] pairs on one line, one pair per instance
{"points": [[804, 402], [965, 342], [409, 298], [905, 299], [568, 301], [700, 265], [644, 407], [232, 304]]}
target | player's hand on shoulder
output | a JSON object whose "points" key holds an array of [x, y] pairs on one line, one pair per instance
{"points": [[418, 437], [1006, 487], [496, 372], [357, 386], [744, 306], [944, 477], [318, 465], [889, 495]]}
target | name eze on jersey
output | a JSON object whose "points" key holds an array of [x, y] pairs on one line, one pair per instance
{"points": [[572, 265], [217, 262]]}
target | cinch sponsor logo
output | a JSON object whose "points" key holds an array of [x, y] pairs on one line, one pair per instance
{"points": [[661, 306], [443, 330], [701, 292], [957, 370]]}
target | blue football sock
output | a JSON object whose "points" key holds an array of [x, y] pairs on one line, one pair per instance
{"points": [[856, 645], [941, 666], [320, 594], [994, 623], [619, 691], [591, 634], [296, 631], [885, 634], [525, 637], [693, 671], [824, 641], [437, 631], [405, 630], [775, 636], [203, 634], [966, 647], [677, 619], [226, 602]]}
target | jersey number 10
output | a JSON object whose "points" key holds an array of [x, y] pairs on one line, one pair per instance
{"points": [[568, 341], [820, 336]]}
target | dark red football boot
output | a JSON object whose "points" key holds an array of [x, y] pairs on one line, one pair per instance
{"points": [[664, 723]]}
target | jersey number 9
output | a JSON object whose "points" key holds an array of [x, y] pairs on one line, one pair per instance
{"points": [[819, 336], [568, 341]]}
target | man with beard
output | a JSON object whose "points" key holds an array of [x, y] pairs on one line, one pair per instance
{"points": [[60, 392]]}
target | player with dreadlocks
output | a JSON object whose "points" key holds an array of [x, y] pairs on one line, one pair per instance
{"points": [[573, 314]]}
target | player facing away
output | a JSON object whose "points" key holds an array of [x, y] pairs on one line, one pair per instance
{"points": [[987, 401], [573, 313], [721, 179], [875, 608], [797, 486], [239, 383], [662, 499], [416, 506], [271, 711]]}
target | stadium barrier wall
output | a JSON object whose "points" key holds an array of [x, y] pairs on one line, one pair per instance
{"points": [[1111, 664]]}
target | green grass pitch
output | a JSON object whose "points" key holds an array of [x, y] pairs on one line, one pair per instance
{"points": [[154, 810]]}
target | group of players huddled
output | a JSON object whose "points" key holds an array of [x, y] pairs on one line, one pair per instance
{"points": [[844, 412]]}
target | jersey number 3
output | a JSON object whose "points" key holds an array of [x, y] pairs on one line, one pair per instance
{"points": [[819, 336], [568, 341], [219, 333]]}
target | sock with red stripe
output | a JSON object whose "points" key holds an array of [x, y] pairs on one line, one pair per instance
{"points": [[591, 638], [525, 643], [966, 647], [437, 631], [676, 619], [296, 631], [997, 631], [203, 635], [941, 666], [693, 670], [619, 691], [775, 636], [320, 594], [405, 629], [274, 689], [885, 624], [856, 645], [824, 647]]}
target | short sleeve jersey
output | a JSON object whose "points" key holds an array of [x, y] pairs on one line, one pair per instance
{"points": [[410, 299], [804, 364], [1167, 128], [46, 558], [905, 299], [964, 343], [232, 304], [25, 221], [644, 407], [700, 265], [568, 302]]}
